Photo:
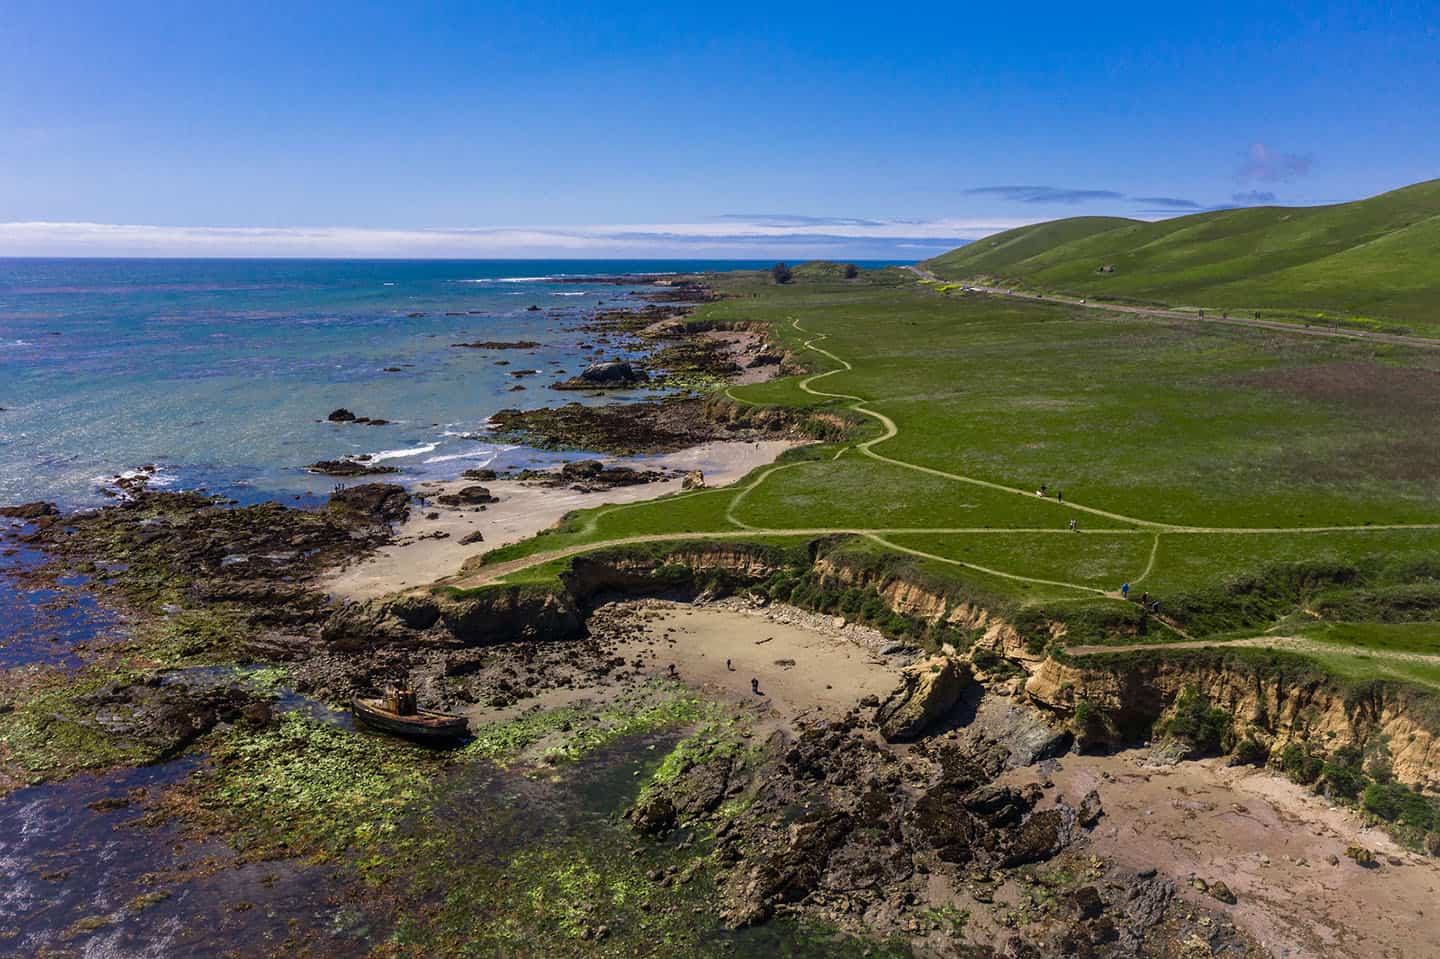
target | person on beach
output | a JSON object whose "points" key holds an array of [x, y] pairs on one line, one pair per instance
{"points": [[672, 670], [755, 686], [728, 667]]}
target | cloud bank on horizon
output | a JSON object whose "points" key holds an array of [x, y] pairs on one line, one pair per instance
{"points": [[726, 236], [733, 236]]}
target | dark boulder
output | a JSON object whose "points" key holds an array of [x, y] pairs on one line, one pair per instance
{"points": [[1041, 836], [342, 415], [467, 496], [348, 468], [34, 510], [386, 502], [614, 375]]}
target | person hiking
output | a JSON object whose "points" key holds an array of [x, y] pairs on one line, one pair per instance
{"points": [[1145, 599], [1074, 527], [1059, 496], [1124, 590]]}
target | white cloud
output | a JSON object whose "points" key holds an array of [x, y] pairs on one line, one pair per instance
{"points": [[757, 236]]}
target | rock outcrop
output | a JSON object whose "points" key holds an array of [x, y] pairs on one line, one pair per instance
{"points": [[34, 510], [928, 691], [382, 502], [612, 375]]}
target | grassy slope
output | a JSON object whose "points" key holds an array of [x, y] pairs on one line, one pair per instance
{"points": [[1215, 427], [1374, 259]]}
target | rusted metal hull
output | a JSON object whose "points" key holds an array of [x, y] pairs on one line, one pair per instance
{"points": [[424, 726]]}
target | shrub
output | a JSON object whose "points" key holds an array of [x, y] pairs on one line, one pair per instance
{"points": [[851, 271], [1193, 721], [1400, 804], [782, 273], [1299, 765], [1248, 752]]}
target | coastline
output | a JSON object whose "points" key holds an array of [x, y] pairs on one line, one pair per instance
{"points": [[419, 556], [435, 540]]}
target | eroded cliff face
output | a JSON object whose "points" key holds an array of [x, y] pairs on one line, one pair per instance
{"points": [[1274, 710], [1118, 700]]}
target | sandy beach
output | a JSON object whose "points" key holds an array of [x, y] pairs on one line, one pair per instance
{"points": [[806, 665], [421, 555]]}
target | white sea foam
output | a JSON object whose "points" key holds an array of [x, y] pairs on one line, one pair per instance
{"points": [[580, 293], [488, 455], [402, 454], [16, 344]]}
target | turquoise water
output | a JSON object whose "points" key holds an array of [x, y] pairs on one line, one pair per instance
{"points": [[222, 372]]}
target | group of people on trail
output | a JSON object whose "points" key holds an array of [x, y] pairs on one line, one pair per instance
{"points": [[1153, 605], [1044, 490]]}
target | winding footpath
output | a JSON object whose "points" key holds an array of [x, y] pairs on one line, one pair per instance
{"points": [[1137, 526]]}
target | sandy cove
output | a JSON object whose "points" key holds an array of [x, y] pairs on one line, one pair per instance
{"points": [[418, 556]]}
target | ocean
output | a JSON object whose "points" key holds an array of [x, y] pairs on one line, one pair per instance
{"points": [[221, 372]]}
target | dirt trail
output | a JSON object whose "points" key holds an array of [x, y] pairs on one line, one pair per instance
{"points": [[1400, 339], [1300, 644]]}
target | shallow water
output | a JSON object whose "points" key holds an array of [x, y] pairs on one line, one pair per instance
{"points": [[222, 371], [42, 626], [76, 877]]}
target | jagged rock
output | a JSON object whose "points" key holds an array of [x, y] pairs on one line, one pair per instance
{"points": [[927, 692], [348, 468], [342, 415], [999, 805], [469, 539], [613, 375], [694, 479], [654, 815], [386, 502], [1219, 891], [467, 496], [33, 510], [165, 717], [1090, 809], [1148, 899], [1088, 902], [500, 345], [1361, 855], [787, 874], [1041, 836]]}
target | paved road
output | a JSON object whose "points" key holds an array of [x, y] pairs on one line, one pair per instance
{"points": [[1419, 342]]}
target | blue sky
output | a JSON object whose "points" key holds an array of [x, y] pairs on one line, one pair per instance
{"points": [[495, 129]]}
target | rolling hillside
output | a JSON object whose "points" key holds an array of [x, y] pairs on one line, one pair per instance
{"points": [[1375, 260]]}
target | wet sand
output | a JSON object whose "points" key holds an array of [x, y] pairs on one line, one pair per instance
{"points": [[806, 666], [1270, 841], [419, 557], [803, 668]]}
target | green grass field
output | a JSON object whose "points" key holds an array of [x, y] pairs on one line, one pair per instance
{"points": [[1370, 263], [1251, 480]]}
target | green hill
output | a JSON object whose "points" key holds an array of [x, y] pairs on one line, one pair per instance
{"points": [[1376, 259]]}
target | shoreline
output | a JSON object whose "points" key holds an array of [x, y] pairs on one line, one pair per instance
{"points": [[418, 556], [436, 540]]}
